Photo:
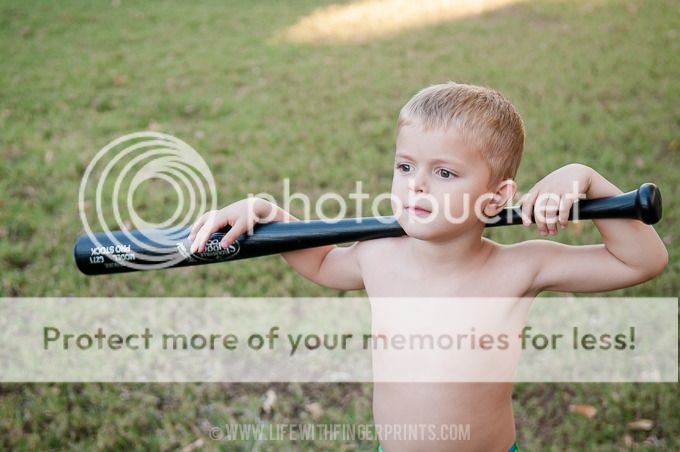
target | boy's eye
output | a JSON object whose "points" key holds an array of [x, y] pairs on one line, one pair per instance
{"points": [[404, 167], [446, 174]]}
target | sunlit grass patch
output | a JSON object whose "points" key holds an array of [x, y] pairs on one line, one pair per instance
{"points": [[363, 20]]}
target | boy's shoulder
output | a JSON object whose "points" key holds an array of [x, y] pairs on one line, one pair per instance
{"points": [[527, 249], [379, 247], [538, 247], [381, 243], [515, 266]]}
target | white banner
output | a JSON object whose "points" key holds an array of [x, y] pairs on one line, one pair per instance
{"points": [[338, 339]]}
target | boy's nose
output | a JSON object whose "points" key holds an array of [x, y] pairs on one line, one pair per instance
{"points": [[418, 182]]}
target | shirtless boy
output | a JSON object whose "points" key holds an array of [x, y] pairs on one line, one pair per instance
{"points": [[456, 144]]}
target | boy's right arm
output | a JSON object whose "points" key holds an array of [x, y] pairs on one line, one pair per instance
{"points": [[330, 266]]}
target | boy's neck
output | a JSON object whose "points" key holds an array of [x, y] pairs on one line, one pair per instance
{"points": [[463, 251]]}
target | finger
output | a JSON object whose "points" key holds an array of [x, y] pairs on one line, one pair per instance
{"points": [[211, 225], [197, 226], [539, 214], [235, 232], [197, 240], [565, 208], [527, 206], [552, 211]]}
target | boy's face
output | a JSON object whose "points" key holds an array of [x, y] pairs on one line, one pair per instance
{"points": [[437, 171]]}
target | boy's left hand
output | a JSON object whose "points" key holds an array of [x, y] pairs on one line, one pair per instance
{"points": [[553, 196]]}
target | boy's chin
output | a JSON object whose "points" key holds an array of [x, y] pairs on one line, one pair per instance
{"points": [[429, 231]]}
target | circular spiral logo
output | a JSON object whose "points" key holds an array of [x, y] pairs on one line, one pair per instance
{"points": [[136, 171]]}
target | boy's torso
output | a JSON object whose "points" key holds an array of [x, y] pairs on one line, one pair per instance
{"points": [[486, 408]]}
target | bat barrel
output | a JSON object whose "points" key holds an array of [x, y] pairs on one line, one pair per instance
{"points": [[127, 251], [124, 251]]}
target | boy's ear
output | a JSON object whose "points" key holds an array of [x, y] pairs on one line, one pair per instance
{"points": [[503, 193]]}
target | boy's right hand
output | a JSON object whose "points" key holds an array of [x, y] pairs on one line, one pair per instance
{"points": [[241, 216]]}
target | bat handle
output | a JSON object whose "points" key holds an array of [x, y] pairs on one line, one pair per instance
{"points": [[643, 204]]}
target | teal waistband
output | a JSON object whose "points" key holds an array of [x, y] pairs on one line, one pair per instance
{"points": [[513, 448]]}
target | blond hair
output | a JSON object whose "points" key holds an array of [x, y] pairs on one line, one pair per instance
{"points": [[486, 120]]}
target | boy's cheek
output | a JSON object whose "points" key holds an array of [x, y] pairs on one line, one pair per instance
{"points": [[398, 199], [455, 206], [396, 203]]}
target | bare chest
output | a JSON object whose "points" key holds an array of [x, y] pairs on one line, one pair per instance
{"points": [[387, 273]]}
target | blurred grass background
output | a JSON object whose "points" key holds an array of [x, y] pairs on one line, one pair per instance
{"points": [[596, 82]]}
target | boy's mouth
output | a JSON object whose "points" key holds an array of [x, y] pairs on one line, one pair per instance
{"points": [[418, 211]]}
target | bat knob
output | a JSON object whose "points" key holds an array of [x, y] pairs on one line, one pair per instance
{"points": [[648, 203]]}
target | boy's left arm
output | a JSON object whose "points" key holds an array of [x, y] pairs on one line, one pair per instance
{"points": [[632, 252]]}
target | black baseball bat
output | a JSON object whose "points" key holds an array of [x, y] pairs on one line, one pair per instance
{"points": [[127, 251]]}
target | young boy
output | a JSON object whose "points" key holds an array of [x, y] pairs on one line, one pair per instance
{"points": [[457, 144]]}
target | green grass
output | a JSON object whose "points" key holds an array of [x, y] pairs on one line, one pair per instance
{"points": [[596, 82]]}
